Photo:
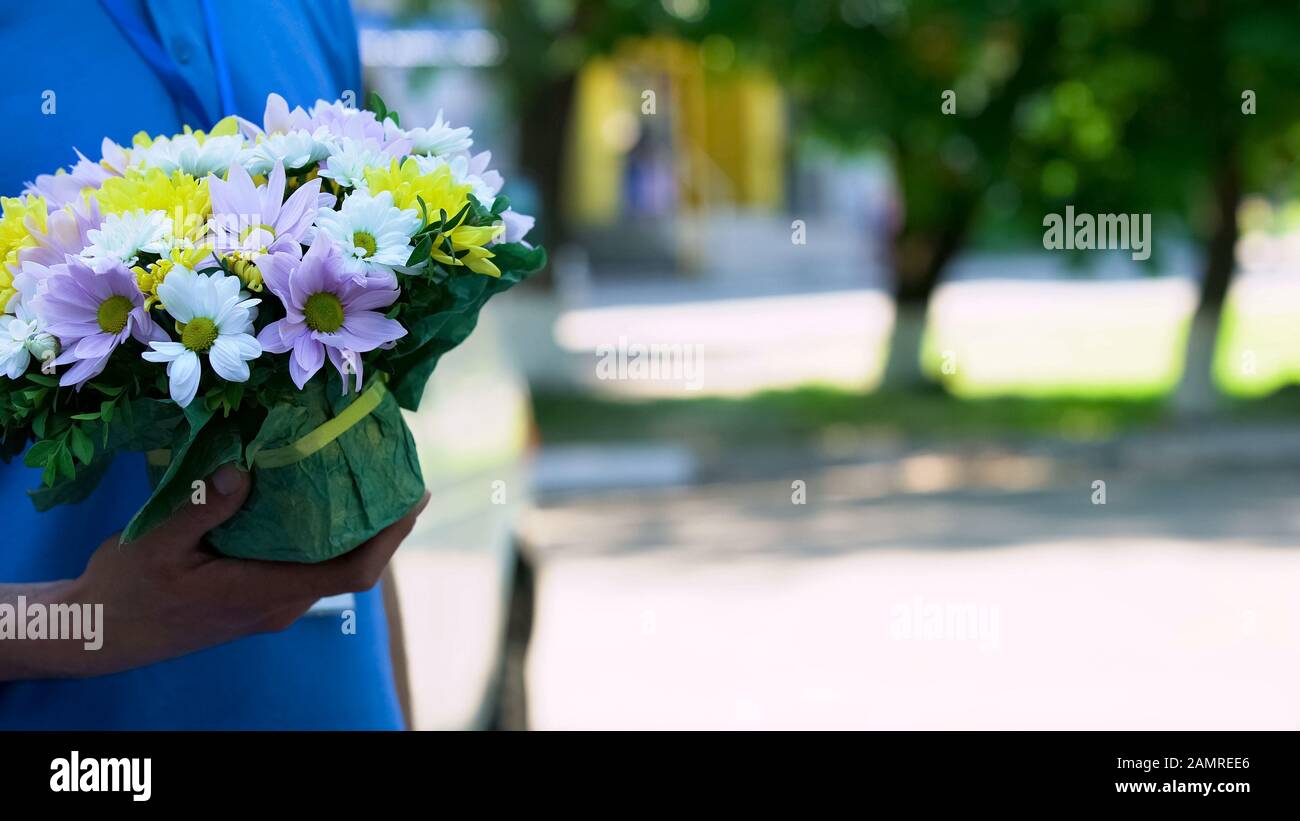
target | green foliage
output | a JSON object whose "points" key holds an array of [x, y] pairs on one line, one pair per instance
{"points": [[376, 104], [439, 319], [806, 417], [1114, 106]]}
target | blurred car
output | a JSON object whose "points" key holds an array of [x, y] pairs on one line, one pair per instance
{"points": [[458, 575]]}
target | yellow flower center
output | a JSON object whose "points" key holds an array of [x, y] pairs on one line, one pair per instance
{"points": [[113, 313], [365, 241], [199, 334], [323, 312]]}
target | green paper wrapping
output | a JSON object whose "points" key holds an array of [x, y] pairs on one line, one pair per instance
{"points": [[314, 509]]}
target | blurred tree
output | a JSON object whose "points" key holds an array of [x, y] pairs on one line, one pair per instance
{"points": [[1113, 106]]}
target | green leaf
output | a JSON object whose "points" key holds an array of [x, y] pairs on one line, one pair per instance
{"points": [[432, 334], [198, 414], [420, 253], [66, 466], [197, 453], [86, 417], [145, 424], [39, 453], [38, 423], [518, 257], [43, 379], [72, 491], [83, 447], [106, 389]]}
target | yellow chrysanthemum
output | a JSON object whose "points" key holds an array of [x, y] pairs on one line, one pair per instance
{"points": [[440, 193], [408, 185], [151, 276], [178, 195], [468, 244], [20, 216]]}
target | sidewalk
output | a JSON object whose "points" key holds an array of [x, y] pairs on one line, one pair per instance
{"points": [[728, 606], [897, 466]]}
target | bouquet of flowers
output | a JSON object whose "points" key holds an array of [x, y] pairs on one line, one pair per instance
{"points": [[269, 296]]}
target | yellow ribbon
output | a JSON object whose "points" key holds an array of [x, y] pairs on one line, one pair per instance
{"points": [[328, 431]]}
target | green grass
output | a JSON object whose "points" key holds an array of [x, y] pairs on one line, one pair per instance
{"points": [[805, 414], [1282, 405]]}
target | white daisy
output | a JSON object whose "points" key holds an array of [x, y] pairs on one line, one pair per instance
{"points": [[184, 152], [439, 139], [123, 237], [294, 150], [483, 182], [215, 319], [347, 164], [373, 234], [21, 337], [20, 340]]}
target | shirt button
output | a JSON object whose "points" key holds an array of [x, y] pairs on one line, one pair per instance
{"points": [[181, 48]]}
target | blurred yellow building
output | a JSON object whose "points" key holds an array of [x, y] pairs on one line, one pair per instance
{"points": [[663, 127]]}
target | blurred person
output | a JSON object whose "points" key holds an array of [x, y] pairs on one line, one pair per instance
{"points": [[189, 639]]}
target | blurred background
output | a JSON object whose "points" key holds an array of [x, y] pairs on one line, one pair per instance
{"points": [[804, 428]]}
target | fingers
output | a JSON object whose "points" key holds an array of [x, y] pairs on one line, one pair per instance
{"points": [[222, 494]]}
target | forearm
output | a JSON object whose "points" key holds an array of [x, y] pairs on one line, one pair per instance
{"points": [[30, 647]]}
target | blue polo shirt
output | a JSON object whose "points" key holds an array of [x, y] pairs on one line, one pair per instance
{"points": [[316, 674]]}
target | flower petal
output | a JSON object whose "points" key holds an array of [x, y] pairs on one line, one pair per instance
{"points": [[95, 346], [163, 351], [280, 336], [83, 372], [367, 330], [347, 362], [176, 293], [227, 357], [183, 373], [308, 356]]}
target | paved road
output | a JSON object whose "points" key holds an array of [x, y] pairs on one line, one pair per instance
{"points": [[1174, 605]]}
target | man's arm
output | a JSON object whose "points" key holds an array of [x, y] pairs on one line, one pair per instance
{"points": [[165, 595]]}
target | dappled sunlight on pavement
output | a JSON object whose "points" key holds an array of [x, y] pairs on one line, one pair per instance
{"points": [[1172, 606]]}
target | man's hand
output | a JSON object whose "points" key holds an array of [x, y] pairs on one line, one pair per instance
{"points": [[165, 595]]}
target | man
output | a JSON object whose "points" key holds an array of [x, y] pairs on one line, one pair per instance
{"points": [[189, 639]]}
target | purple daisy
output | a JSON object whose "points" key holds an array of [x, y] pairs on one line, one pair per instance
{"points": [[65, 233], [66, 187], [337, 120], [91, 314], [259, 220], [328, 313]]}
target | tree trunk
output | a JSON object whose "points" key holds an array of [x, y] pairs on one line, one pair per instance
{"points": [[1196, 393], [1220, 253], [919, 260], [542, 143]]}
